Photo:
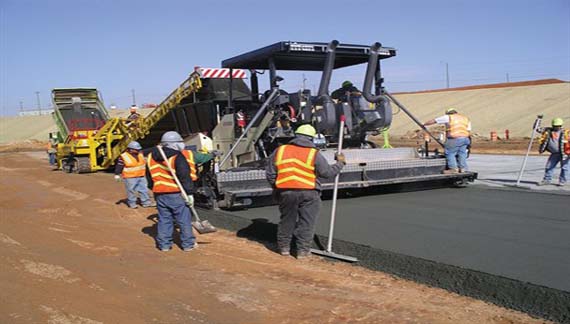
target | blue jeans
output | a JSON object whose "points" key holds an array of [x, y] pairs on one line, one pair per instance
{"points": [[134, 185], [51, 158], [171, 208], [551, 164], [456, 152]]}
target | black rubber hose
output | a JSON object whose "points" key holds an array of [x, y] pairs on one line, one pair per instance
{"points": [[369, 76], [327, 69]]}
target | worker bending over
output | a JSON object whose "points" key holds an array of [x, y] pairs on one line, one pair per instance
{"points": [[458, 132], [555, 141], [294, 170], [130, 167]]}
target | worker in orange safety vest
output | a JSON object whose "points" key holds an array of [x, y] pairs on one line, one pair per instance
{"points": [[555, 140], [130, 168], [294, 170], [458, 132]]}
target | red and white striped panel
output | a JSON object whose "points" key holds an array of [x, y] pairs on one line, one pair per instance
{"points": [[219, 73]]}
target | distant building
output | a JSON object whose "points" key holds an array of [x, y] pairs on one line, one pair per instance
{"points": [[35, 112]]}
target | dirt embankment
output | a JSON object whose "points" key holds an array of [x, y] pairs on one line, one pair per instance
{"points": [[71, 252]]}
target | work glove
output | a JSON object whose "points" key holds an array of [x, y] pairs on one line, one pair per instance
{"points": [[117, 178], [190, 201], [340, 158]]}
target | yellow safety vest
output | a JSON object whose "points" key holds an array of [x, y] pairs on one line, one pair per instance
{"points": [[458, 126]]}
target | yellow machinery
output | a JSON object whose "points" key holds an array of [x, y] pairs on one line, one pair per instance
{"points": [[91, 141]]}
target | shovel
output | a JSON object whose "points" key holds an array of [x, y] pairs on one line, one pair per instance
{"points": [[202, 226]]}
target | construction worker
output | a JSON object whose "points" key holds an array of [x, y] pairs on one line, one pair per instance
{"points": [[130, 167], [556, 141], [134, 113], [171, 206], [51, 150], [295, 170], [342, 93], [458, 132], [195, 158]]}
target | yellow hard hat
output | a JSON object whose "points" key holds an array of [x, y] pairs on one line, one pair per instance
{"points": [[557, 122], [450, 111], [306, 130]]}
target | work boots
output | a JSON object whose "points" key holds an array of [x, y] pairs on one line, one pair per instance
{"points": [[451, 171]]}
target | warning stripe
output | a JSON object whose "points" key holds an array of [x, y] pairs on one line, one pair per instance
{"points": [[221, 73]]}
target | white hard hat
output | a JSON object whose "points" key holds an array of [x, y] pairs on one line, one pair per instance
{"points": [[134, 145], [171, 137]]}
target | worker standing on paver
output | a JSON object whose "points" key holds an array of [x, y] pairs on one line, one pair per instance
{"points": [[130, 168], [134, 113], [458, 132], [171, 205], [344, 91], [294, 171], [555, 141]]}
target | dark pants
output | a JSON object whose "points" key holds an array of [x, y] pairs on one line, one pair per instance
{"points": [[299, 211]]}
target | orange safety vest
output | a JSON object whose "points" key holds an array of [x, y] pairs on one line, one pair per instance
{"points": [[134, 167], [163, 181], [566, 142], [189, 155], [295, 167], [458, 126]]}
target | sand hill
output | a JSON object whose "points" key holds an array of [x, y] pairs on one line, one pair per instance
{"points": [[511, 106], [497, 107]]}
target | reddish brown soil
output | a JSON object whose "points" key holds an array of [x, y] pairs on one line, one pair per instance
{"points": [[71, 254], [479, 146]]}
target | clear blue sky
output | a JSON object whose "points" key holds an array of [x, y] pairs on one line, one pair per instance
{"points": [[151, 46]]}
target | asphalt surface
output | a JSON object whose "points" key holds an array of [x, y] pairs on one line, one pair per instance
{"points": [[516, 234]]}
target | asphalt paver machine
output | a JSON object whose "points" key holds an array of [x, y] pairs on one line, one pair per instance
{"points": [[249, 124]]}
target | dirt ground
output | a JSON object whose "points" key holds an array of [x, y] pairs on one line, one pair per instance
{"points": [[72, 253]]}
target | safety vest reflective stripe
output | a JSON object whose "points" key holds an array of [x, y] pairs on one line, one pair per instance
{"points": [[162, 179], [458, 126], [189, 155], [295, 167], [134, 168]]}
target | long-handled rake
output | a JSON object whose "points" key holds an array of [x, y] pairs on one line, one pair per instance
{"points": [[328, 252]]}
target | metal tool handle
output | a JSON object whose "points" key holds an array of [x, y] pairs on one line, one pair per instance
{"points": [[335, 188], [253, 120], [413, 117], [182, 191], [535, 127]]}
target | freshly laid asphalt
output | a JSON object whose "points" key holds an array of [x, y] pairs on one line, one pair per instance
{"points": [[517, 234]]}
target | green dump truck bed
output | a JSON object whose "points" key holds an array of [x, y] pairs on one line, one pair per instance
{"points": [[78, 109]]}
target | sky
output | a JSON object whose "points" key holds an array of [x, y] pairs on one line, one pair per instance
{"points": [[152, 46]]}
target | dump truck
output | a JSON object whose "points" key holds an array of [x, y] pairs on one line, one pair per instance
{"points": [[246, 125], [89, 140]]}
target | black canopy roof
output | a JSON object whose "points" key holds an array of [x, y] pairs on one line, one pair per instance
{"points": [[289, 55]]}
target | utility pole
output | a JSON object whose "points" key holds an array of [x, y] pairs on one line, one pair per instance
{"points": [[21, 105], [39, 104], [447, 74], [304, 82], [508, 78], [134, 98]]}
